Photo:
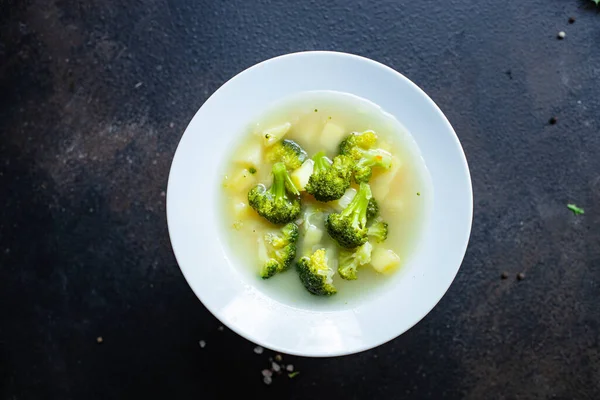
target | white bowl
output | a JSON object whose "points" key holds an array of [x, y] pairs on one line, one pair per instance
{"points": [[193, 209]]}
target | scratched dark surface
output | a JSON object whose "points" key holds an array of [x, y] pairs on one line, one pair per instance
{"points": [[94, 97]]}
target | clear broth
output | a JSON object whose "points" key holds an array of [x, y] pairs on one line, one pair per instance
{"points": [[404, 206]]}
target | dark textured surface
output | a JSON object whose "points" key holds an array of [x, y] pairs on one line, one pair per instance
{"points": [[95, 95]]}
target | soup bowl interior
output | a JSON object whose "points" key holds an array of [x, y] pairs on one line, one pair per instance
{"points": [[319, 327]]}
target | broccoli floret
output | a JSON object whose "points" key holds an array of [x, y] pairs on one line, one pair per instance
{"points": [[360, 148], [349, 227], [363, 169], [280, 250], [288, 152], [378, 230], [365, 140], [315, 274], [372, 209], [329, 180], [350, 260], [275, 204]]}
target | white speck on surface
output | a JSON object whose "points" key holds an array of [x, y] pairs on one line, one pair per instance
{"points": [[6, 251], [561, 35], [275, 367], [137, 85], [267, 372], [202, 344], [267, 380], [154, 162], [258, 350], [289, 368], [171, 125], [91, 210], [99, 339], [220, 328]]}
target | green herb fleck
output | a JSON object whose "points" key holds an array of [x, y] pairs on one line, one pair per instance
{"points": [[418, 193], [293, 374], [576, 210], [597, 2], [252, 170], [267, 136], [316, 110], [330, 117]]}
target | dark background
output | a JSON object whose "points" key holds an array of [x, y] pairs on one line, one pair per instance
{"points": [[95, 95]]}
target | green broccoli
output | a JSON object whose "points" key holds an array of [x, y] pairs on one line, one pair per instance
{"points": [[288, 152], [365, 141], [378, 230], [278, 250], [316, 275], [329, 180], [350, 260], [360, 148], [274, 204], [372, 209], [349, 227]]}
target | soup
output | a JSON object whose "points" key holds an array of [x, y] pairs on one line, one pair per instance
{"points": [[319, 122]]}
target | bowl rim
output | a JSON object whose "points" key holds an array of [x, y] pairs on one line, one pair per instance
{"points": [[462, 249]]}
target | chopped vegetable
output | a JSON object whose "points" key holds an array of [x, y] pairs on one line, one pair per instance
{"points": [[372, 209], [343, 201], [382, 183], [240, 180], [350, 260], [359, 146], [349, 228], [301, 175], [316, 275], [313, 227], [251, 155], [378, 230], [576, 210], [329, 180], [275, 134], [331, 136], [288, 152], [241, 209], [274, 204], [384, 261], [293, 374], [277, 250]]}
